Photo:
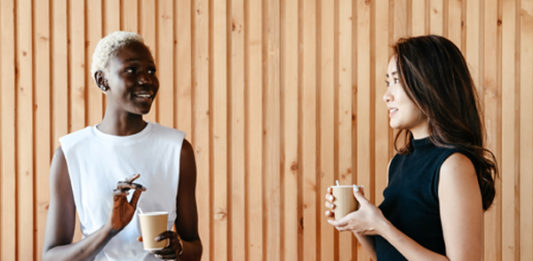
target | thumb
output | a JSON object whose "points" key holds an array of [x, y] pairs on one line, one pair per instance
{"points": [[358, 194]]}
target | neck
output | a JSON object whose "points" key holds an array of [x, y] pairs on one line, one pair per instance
{"points": [[421, 131], [121, 124]]}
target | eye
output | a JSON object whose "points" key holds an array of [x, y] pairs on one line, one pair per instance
{"points": [[131, 70], [396, 80], [151, 71]]}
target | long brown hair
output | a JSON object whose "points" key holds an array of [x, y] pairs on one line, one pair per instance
{"points": [[435, 77]]}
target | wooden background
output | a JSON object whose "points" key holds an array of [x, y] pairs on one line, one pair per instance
{"points": [[279, 98]]}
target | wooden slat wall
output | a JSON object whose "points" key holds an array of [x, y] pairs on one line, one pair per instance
{"points": [[279, 98]]}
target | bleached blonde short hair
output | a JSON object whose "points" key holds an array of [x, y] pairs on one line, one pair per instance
{"points": [[108, 46]]}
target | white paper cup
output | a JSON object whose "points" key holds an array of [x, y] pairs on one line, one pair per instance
{"points": [[345, 202], [153, 224]]}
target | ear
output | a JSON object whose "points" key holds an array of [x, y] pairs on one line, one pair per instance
{"points": [[101, 80]]}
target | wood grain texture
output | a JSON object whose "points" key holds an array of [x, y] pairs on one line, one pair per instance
{"points": [[278, 98]]}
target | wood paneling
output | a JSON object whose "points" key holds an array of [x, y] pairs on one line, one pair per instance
{"points": [[279, 99]]}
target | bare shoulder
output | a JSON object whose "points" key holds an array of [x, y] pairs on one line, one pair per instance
{"points": [[186, 149], [458, 176], [457, 164]]}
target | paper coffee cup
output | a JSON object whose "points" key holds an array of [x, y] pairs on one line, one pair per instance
{"points": [[344, 200], [153, 224]]}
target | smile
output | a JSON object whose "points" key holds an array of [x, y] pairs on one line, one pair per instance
{"points": [[392, 111]]}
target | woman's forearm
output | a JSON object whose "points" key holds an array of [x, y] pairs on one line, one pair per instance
{"points": [[85, 249], [367, 243], [409, 248]]}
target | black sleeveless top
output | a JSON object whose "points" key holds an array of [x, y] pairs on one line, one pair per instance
{"points": [[411, 199]]}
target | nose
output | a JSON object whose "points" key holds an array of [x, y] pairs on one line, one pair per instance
{"points": [[144, 78], [387, 97]]}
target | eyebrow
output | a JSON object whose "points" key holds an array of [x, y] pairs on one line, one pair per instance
{"points": [[393, 73]]}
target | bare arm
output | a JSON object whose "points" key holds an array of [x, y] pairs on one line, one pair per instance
{"points": [[62, 217], [187, 219], [462, 220], [187, 215]]}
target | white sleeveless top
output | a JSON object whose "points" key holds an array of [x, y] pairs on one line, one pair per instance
{"points": [[97, 161]]}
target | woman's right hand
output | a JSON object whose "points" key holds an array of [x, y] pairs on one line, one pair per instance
{"points": [[123, 210], [330, 203]]}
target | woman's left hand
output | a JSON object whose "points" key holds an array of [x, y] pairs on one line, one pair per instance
{"points": [[172, 250], [364, 221]]}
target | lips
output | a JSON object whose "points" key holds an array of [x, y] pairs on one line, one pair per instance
{"points": [[143, 96], [392, 110]]}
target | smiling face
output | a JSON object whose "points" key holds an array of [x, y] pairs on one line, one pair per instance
{"points": [[131, 79], [403, 112]]}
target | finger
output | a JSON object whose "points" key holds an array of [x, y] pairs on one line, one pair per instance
{"points": [[336, 223], [125, 186], [357, 192], [330, 206], [167, 257], [138, 186], [330, 198], [135, 198], [164, 251], [329, 190], [329, 213], [167, 234], [117, 193], [132, 178]]}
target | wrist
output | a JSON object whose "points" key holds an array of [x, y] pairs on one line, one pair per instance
{"points": [[383, 226]]}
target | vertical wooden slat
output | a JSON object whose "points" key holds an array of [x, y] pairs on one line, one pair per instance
{"points": [[491, 98], [418, 17], [200, 137], [41, 40], [183, 66], [254, 131], [436, 17], [326, 63], [94, 34], [510, 133], [309, 131], [129, 15], [344, 112], [112, 16], [8, 181], [289, 95], [262, 128], [24, 130], [382, 130], [165, 62], [401, 16], [219, 126], [526, 130], [77, 64], [455, 21], [271, 114], [473, 40], [236, 101], [364, 150], [148, 30]]}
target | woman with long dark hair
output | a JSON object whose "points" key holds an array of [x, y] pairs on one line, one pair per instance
{"points": [[442, 178]]}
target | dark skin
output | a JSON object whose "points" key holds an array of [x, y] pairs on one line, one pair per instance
{"points": [[130, 85]]}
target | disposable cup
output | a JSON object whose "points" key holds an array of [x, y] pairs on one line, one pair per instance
{"points": [[153, 224], [344, 200]]}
